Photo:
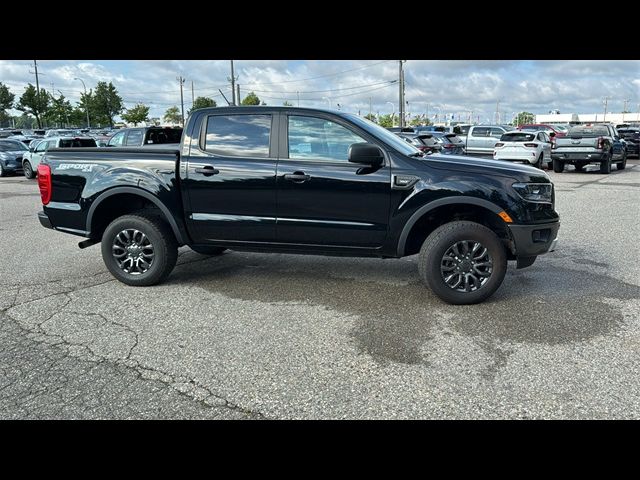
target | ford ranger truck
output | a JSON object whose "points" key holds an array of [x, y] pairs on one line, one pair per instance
{"points": [[301, 180]]}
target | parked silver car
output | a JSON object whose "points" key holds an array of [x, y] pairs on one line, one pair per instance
{"points": [[30, 163], [482, 139]]}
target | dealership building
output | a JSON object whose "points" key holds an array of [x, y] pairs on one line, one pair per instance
{"points": [[615, 118]]}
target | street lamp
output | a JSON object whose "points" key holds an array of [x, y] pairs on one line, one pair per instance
{"points": [[328, 100], [86, 102], [393, 111]]}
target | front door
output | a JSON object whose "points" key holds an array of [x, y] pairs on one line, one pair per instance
{"points": [[323, 199], [231, 180]]}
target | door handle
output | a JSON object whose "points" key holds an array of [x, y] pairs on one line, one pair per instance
{"points": [[207, 171], [297, 177]]}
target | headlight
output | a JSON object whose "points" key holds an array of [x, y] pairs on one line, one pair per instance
{"points": [[535, 192]]}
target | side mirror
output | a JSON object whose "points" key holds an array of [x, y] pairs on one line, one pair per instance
{"points": [[366, 153], [552, 134]]}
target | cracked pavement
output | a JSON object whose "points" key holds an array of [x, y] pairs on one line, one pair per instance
{"points": [[252, 336]]}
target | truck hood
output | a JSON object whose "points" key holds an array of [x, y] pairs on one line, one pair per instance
{"points": [[481, 165]]}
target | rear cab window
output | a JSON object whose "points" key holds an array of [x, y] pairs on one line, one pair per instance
{"points": [[77, 143], [518, 137]]}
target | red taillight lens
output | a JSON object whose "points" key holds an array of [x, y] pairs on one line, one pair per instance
{"points": [[530, 145], [499, 145], [44, 183], [600, 142]]}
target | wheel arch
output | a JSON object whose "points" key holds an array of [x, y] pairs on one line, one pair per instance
{"points": [[477, 205], [143, 194]]}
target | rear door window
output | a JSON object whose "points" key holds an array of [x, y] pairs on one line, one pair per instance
{"points": [[134, 138], [496, 132], [480, 132], [238, 135]]}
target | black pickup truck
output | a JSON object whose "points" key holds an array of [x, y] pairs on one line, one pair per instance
{"points": [[301, 180]]}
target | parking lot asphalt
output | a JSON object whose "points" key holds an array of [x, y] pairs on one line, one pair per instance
{"points": [[248, 335]]}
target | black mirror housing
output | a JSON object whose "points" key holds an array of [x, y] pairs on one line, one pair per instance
{"points": [[366, 154]]}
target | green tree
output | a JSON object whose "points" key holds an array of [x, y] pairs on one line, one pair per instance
{"points": [[386, 121], [137, 114], [251, 99], [523, 118], [6, 98], [25, 121], [106, 103], [172, 115], [287, 103], [202, 102], [32, 103], [371, 116], [59, 111]]}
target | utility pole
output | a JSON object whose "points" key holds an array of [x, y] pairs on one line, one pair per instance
{"points": [[181, 80], [35, 66], [238, 96], [497, 112], [401, 96], [298, 94], [193, 97], [624, 109], [606, 101], [369, 108], [233, 86]]}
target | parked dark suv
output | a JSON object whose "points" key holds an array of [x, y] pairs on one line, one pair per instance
{"points": [[631, 135], [146, 136]]}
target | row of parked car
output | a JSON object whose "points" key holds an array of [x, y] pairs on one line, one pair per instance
{"points": [[22, 151], [536, 144]]}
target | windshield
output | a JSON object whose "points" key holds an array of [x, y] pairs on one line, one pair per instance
{"points": [[562, 128], [12, 146], [385, 135]]}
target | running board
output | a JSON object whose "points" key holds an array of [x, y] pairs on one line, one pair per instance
{"points": [[87, 243]]}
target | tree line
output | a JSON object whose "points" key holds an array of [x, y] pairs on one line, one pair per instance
{"points": [[98, 107]]}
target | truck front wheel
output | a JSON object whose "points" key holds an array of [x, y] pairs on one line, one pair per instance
{"points": [[139, 249], [462, 262]]}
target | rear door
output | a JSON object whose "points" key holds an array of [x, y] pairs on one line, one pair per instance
{"points": [[477, 138], [323, 199], [231, 179]]}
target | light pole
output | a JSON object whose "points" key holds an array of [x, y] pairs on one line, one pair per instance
{"points": [[393, 111], [439, 111], [86, 101], [328, 100]]}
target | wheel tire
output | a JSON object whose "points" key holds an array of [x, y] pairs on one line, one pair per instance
{"points": [[558, 166], [605, 165], [538, 163], [3, 172], [208, 250], [579, 167], [549, 165], [437, 244], [28, 171], [623, 164], [165, 248]]}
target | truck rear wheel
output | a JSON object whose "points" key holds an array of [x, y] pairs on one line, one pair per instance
{"points": [[139, 249], [605, 165], [462, 262], [558, 166]]}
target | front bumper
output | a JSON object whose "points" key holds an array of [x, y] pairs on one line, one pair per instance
{"points": [[44, 220], [534, 240]]}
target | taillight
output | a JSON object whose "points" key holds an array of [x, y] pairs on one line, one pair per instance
{"points": [[499, 145], [44, 183], [449, 145], [600, 142], [531, 145]]}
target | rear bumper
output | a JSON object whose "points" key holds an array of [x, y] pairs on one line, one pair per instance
{"points": [[528, 157], [577, 156], [44, 220], [533, 240]]}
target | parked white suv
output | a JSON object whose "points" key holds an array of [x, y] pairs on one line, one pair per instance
{"points": [[31, 161], [524, 146]]}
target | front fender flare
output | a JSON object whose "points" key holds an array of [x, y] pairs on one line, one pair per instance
{"points": [[456, 200]]}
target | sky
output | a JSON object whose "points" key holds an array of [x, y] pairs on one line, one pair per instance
{"points": [[434, 87]]}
